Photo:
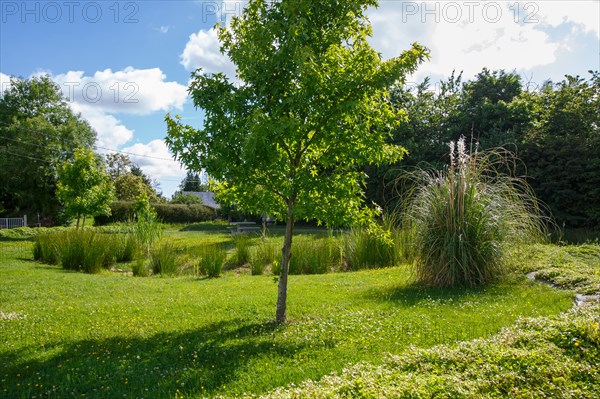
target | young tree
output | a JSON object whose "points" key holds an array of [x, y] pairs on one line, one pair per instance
{"points": [[312, 109], [83, 186], [130, 181]]}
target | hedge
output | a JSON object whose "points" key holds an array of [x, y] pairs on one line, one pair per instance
{"points": [[122, 211]]}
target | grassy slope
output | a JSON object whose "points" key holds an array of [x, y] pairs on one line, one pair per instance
{"points": [[68, 334], [538, 357]]}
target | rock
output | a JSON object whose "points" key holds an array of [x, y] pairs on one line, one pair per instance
{"points": [[581, 299]]}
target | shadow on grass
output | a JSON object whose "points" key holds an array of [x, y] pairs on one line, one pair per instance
{"points": [[207, 226], [415, 293], [202, 361]]}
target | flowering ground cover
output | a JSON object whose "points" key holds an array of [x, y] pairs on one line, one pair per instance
{"points": [[66, 334]]}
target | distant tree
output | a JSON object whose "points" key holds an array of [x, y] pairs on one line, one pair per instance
{"points": [[192, 182], [185, 198], [130, 181], [488, 114], [312, 109], [561, 149], [83, 186], [38, 131]]}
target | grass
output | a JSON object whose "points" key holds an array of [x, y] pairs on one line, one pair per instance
{"points": [[112, 336], [569, 267], [466, 217], [543, 357]]}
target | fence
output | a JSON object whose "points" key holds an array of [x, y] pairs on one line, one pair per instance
{"points": [[12, 223]]}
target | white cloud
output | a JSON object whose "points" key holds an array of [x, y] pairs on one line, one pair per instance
{"points": [[111, 132], [468, 35], [130, 91], [584, 14], [203, 51], [164, 29], [157, 161], [4, 82]]}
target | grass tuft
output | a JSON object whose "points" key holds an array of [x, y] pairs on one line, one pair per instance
{"points": [[163, 259], [211, 260], [464, 219]]}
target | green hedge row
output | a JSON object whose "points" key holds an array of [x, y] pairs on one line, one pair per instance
{"points": [[122, 211]]}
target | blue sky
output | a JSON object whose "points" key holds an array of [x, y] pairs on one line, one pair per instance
{"points": [[125, 64]]}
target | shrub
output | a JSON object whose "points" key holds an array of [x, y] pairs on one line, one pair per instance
{"points": [[163, 259], [464, 218], [123, 211], [211, 259]]}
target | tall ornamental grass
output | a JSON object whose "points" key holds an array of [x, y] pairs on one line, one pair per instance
{"points": [[83, 249], [242, 243], [464, 218], [77, 249], [365, 249], [164, 259], [312, 256], [266, 253], [211, 260]]}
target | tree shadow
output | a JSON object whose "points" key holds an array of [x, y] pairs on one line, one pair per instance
{"points": [[415, 293], [201, 361]]}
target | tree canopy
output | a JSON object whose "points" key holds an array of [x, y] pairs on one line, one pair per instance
{"points": [[38, 131], [554, 129], [311, 108], [83, 186], [129, 180]]}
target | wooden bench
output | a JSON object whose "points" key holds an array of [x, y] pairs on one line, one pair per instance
{"points": [[242, 227]]}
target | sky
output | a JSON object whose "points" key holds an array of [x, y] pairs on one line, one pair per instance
{"points": [[125, 64]]}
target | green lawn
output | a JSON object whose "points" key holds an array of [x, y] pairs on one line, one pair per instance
{"points": [[66, 334]]}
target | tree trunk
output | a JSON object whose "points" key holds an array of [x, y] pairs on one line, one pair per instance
{"points": [[286, 254], [77, 226]]}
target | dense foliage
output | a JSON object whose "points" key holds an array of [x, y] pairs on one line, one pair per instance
{"points": [[129, 180], [38, 130], [554, 129], [311, 109], [83, 186], [122, 211]]}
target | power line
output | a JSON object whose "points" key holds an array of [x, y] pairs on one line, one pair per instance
{"points": [[138, 155], [103, 148], [25, 156]]}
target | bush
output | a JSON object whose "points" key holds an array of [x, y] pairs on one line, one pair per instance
{"points": [[163, 259], [211, 260], [123, 211], [464, 218]]}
